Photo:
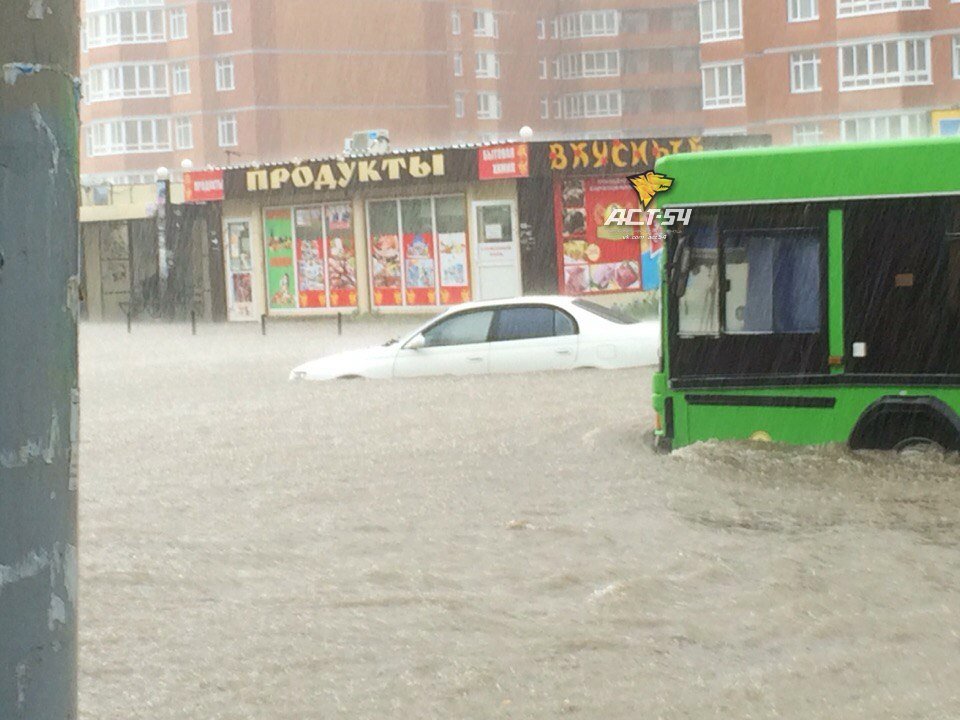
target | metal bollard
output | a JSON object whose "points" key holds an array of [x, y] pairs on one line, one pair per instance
{"points": [[193, 322], [129, 322], [263, 324], [339, 323]]}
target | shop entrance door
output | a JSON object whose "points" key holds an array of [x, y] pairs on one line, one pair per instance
{"points": [[497, 249]]}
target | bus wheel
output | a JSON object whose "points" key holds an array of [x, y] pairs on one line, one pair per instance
{"points": [[898, 423]]}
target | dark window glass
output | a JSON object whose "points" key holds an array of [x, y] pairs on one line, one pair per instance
{"points": [[563, 324], [606, 313], [463, 329], [523, 323]]}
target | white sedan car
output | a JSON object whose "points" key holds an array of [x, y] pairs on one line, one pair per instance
{"points": [[501, 336]]}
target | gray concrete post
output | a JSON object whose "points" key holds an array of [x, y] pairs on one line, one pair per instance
{"points": [[38, 359]]}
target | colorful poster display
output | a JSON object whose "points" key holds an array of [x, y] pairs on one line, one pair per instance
{"points": [[278, 251], [592, 256], [385, 257], [454, 281], [239, 270], [419, 269], [341, 256], [311, 259]]}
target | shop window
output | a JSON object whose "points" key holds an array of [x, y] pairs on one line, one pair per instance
{"points": [[310, 257], [594, 257], [419, 251], [468, 328]]}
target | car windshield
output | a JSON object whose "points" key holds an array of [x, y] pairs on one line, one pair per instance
{"points": [[613, 315]]}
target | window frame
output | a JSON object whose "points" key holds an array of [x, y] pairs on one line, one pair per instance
{"points": [[178, 124], [175, 72], [228, 119], [797, 62], [727, 31], [177, 17], [446, 317], [225, 69], [871, 78], [859, 8], [222, 15], [795, 7], [734, 100]]}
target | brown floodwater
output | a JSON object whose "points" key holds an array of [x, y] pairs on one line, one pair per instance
{"points": [[485, 547]]}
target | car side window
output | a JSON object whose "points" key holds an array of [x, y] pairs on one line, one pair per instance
{"points": [[462, 329], [524, 323]]}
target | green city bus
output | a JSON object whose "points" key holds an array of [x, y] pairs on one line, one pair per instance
{"points": [[813, 296]]}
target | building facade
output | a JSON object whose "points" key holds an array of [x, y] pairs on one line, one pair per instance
{"points": [[225, 82], [809, 71]]}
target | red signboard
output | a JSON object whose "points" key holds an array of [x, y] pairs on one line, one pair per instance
{"points": [[496, 162], [203, 186]]}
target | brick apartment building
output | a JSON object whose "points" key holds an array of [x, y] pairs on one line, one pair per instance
{"points": [[237, 81], [808, 71]]}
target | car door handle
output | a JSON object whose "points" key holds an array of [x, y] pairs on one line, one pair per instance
{"points": [[563, 352], [475, 359]]}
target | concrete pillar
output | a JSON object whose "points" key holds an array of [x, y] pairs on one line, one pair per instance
{"points": [[38, 359]]}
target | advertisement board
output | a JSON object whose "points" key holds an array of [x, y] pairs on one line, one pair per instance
{"points": [[203, 186], [497, 162], [239, 270]]}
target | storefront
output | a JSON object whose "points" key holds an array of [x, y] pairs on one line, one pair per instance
{"points": [[414, 231]]}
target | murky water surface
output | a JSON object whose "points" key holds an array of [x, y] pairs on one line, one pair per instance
{"points": [[487, 547]]}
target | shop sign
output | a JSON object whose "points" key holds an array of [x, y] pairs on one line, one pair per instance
{"points": [[203, 186], [342, 174], [503, 161], [616, 155]]}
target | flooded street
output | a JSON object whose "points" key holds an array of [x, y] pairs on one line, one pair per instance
{"points": [[485, 547]]}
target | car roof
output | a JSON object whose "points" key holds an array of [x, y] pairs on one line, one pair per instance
{"points": [[561, 300]]}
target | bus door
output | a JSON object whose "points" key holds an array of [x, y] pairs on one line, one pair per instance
{"points": [[901, 286]]}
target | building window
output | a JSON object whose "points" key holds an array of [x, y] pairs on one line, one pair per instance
{"points": [[807, 134], [488, 65], [593, 104], [485, 24], [132, 80], [720, 20], [183, 133], [541, 29], [455, 22], [723, 85], [124, 27], [178, 24], [128, 137], [596, 63], [458, 109], [884, 64], [849, 8], [222, 19], [227, 130], [544, 107], [225, 79], [589, 23], [884, 127], [558, 108], [488, 106], [544, 73], [556, 68], [802, 10], [181, 78], [805, 71], [457, 64], [956, 56]]}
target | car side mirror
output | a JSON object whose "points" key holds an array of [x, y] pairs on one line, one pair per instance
{"points": [[416, 342]]}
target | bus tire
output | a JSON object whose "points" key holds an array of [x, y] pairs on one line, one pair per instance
{"points": [[896, 423]]}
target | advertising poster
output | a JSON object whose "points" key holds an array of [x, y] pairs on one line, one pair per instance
{"points": [[239, 270], [311, 275], [278, 252], [454, 281], [593, 257], [341, 256], [385, 265], [419, 269]]}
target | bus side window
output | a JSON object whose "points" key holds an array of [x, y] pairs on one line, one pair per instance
{"points": [[773, 281]]}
